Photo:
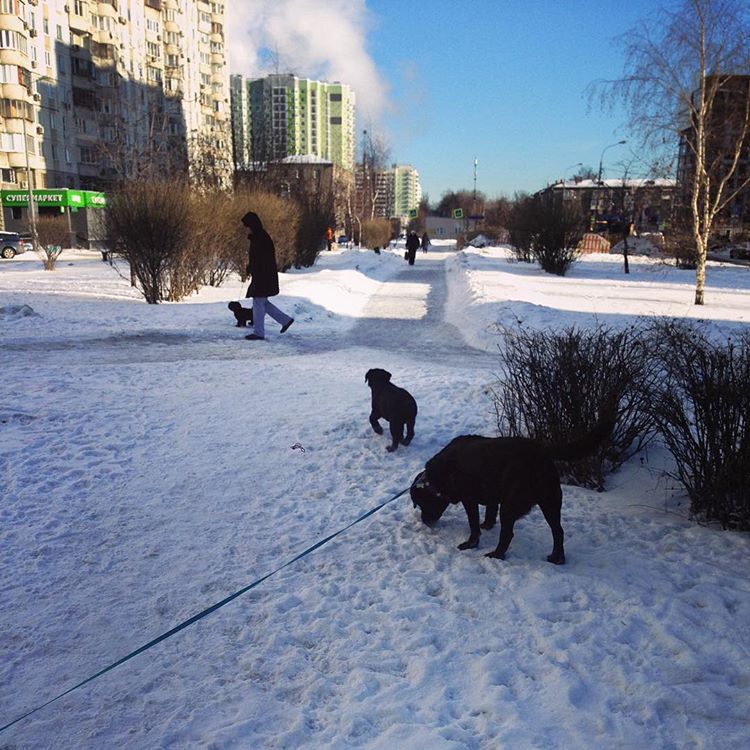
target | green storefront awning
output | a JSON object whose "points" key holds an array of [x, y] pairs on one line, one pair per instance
{"points": [[55, 198]]}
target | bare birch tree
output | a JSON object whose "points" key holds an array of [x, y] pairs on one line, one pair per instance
{"points": [[683, 83], [375, 155]]}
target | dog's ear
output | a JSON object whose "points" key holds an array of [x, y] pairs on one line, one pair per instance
{"points": [[368, 375], [386, 375]]}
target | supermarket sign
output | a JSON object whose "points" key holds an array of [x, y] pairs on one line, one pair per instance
{"points": [[62, 198]]}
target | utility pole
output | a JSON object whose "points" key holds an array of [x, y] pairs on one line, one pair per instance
{"points": [[474, 196]]}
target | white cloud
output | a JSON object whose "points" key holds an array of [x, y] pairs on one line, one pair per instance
{"points": [[322, 39]]}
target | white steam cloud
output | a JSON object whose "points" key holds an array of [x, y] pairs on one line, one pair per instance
{"points": [[319, 39]]}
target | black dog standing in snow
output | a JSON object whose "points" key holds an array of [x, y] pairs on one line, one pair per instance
{"points": [[512, 474], [396, 405]]}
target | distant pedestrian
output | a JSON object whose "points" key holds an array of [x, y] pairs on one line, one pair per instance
{"points": [[264, 281], [329, 238], [412, 243], [425, 242]]}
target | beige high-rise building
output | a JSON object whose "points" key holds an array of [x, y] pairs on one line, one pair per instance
{"points": [[94, 91]]}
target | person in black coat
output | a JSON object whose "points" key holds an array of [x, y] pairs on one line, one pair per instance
{"points": [[412, 243], [264, 281]]}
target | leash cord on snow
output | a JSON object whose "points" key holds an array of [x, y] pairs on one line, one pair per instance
{"points": [[202, 614]]}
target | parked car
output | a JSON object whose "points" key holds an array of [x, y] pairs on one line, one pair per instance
{"points": [[342, 240], [10, 245], [740, 253]]}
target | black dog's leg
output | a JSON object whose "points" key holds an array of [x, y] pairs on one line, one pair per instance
{"points": [[472, 514], [490, 516], [374, 417], [506, 534], [552, 513], [409, 432], [397, 436]]}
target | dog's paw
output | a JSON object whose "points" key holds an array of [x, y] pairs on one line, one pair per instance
{"points": [[391, 448], [470, 543], [556, 559], [406, 441], [378, 429], [495, 555]]}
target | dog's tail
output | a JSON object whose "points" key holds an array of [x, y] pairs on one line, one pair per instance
{"points": [[587, 443]]}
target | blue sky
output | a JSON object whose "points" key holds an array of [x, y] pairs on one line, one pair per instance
{"points": [[501, 81]]}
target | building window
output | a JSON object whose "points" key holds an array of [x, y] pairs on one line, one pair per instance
{"points": [[12, 40], [87, 155]]}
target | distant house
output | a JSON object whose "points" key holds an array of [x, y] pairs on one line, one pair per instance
{"points": [[613, 205], [441, 228], [304, 173]]}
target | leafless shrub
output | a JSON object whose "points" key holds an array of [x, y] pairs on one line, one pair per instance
{"points": [[547, 234], [52, 236], [314, 219], [556, 385], [556, 233], [215, 237], [150, 223], [315, 206], [520, 224], [376, 233], [702, 409]]}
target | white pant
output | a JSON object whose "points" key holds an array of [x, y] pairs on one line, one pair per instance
{"points": [[262, 306]]}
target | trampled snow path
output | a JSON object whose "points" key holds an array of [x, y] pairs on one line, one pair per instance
{"points": [[408, 316], [148, 472]]}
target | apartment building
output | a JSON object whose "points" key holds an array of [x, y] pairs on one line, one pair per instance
{"points": [[727, 137], [388, 193], [95, 91], [407, 190], [282, 115]]}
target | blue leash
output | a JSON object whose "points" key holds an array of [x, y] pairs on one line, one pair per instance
{"points": [[204, 613]]}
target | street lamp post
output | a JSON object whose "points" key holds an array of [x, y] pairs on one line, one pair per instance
{"points": [[32, 212], [565, 171], [32, 207], [601, 158]]}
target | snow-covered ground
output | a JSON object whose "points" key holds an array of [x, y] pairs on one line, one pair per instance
{"points": [[153, 462]]}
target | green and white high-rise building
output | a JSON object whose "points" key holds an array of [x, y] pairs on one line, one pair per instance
{"points": [[283, 115]]}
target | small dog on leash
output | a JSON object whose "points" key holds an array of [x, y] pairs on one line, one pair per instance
{"points": [[396, 405], [243, 315]]}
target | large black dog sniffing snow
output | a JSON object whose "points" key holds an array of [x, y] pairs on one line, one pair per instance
{"points": [[509, 474]]}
